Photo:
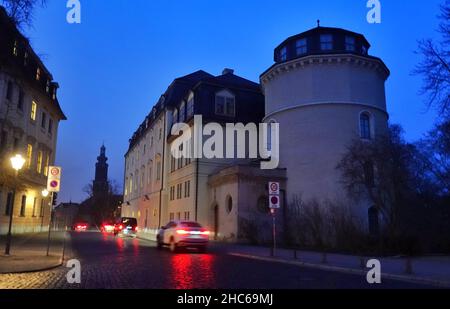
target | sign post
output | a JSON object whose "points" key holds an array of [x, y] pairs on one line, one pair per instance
{"points": [[53, 185], [274, 204]]}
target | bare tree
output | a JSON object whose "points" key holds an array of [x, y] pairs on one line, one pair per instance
{"points": [[435, 66], [21, 11]]}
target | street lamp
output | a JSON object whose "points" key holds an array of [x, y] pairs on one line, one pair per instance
{"points": [[17, 163], [45, 193]]}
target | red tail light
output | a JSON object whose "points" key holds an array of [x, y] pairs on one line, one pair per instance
{"points": [[182, 232], [204, 233], [136, 228], [120, 227]]}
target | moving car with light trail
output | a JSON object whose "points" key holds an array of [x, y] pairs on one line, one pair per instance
{"points": [[183, 234]]}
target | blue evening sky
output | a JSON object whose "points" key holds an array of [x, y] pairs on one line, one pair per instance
{"points": [[114, 66]]}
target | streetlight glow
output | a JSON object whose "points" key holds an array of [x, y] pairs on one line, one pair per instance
{"points": [[45, 193], [17, 162]]}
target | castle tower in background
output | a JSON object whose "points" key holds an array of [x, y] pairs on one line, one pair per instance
{"points": [[100, 184]]}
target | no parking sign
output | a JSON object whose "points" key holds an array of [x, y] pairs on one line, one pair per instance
{"points": [[54, 179]]}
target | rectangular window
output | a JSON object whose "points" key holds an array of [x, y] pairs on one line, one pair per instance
{"points": [[38, 73], [9, 90], [50, 126], [220, 105], [326, 42], [301, 47], [190, 107], [47, 163], [178, 215], [44, 120], [171, 216], [179, 191], [349, 43], [39, 162], [23, 205], [225, 106], [33, 111], [283, 54], [34, 207], [186, 215], [41, 212], [20, 100], [182, 116], [187, 188], [29, 155], [9, 202], [16, 48], [158, 171]]}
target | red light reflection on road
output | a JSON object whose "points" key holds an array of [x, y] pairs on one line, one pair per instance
{"points": [[191, 271], [120, 244]]}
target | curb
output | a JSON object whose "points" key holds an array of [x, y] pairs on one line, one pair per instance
{"points": [[46, 268], [437, 283]]}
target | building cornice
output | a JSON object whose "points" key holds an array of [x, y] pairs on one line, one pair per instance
{"points": [[373, 63]]}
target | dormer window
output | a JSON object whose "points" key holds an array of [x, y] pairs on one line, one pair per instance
{"points": [[182, 112], [38, 73], [283, 54], [190, 106], [16, 48], [301, 46], [225, 104], [326, 42], [350, 43], [364, 50]]}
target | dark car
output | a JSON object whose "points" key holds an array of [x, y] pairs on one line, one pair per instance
{"points": [[80, 226], [126, 227]]}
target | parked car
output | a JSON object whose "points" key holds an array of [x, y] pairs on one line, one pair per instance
{"points": [[126, 227], [107, 227], [183, 234], [80, 226]]}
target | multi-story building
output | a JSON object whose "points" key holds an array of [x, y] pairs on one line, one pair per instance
{"points": [[29, 118], [324, 91]]}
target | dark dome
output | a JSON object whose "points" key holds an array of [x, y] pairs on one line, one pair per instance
{"points": [[321, 40]]}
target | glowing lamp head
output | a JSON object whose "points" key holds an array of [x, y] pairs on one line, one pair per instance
{"points": [[45, 193], [17, 162]]}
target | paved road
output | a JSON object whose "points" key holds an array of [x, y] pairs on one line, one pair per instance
{"points": [[112, 262]]}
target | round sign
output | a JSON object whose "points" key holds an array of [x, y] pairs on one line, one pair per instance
{"points": [[54, 184], [274, 186], [54, 171], [274, 200]]}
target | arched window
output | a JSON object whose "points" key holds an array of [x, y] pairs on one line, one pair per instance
{"points": [[365, 126], [374, 226], [229, 204]]}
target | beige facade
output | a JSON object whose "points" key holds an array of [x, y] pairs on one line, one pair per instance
{"points": [[28, 128]]}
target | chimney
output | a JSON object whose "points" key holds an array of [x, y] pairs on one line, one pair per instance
{"points": [[227, 71]]}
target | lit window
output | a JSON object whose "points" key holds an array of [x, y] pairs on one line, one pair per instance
{"points": [[225, 104], [15, 48], [38, 74], [29, 155], [283, 54], [326, 42], [301, 46], [39, 162], [33, 111], [349, 43], [364, 125], [47, 163]]}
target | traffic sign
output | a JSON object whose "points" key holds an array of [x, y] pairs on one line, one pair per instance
{"points": [[274, 201], [274, 188], [54, 179]]}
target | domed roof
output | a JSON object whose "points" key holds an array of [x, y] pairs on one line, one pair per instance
{"points": [[321, 40]]}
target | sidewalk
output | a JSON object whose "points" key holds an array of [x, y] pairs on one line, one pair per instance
{"points": [[29, 252], [434, 270]]}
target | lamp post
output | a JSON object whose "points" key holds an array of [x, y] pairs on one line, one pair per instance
{"points": [[17, 163]]}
